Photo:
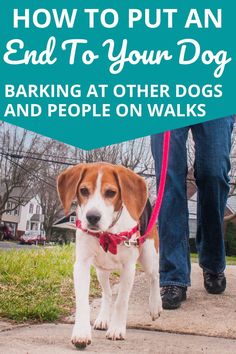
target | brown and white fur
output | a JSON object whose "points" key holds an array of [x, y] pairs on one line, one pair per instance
{"points": [[103, 189]]}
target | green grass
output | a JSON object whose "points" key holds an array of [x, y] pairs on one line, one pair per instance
{"points": [[229, 260], [37, 284]]}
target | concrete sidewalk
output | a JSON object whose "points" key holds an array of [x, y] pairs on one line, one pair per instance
{"points": [[54, 339], [204, 324]]}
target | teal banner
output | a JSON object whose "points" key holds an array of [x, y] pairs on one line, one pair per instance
{"points": [[94, 73]]}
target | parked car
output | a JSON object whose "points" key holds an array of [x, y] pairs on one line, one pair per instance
{"points": [[33, 237]]}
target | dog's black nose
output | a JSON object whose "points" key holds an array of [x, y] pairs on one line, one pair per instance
{"points": [[93, 217]]}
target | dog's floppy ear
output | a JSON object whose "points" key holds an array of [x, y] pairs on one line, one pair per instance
{"points": [[67, 185], [133, 190]]}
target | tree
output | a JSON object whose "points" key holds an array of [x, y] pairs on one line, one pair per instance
{"points": [[232, 192], [134, 154], [18, 172], [191, 154], [50, 203]]}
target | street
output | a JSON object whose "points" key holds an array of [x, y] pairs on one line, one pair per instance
{"points": [[6, 245]]}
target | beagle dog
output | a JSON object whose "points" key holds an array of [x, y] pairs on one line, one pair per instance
{"points": [[112, 200]]}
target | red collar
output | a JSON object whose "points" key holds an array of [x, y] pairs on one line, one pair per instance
{"points": [[109, 241]]}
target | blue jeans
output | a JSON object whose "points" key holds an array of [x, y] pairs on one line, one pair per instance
{"points": [[212, 165]]}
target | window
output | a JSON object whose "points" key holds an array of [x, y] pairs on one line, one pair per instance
{"points": [[16, 211], [27, 225], [11, 209], [37, 209], [31, 208], [8, 206], [34, 226]]}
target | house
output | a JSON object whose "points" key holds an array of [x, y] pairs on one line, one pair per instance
{"points": [[231, 207], [11, 218], [192, 207], [27, 216], [65, 228], [31, 217], [66, 222]]}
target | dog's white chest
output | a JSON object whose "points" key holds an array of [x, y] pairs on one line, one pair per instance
{"points": [[105, 260], [110, 262]]}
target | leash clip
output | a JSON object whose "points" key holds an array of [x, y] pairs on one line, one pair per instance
{"points": [[129, 243]]}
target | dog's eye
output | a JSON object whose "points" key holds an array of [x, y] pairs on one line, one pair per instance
{"points": [[110, 193], [84, 191]]}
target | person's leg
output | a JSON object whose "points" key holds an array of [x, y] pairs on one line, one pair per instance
{"points": [[212, 165], [173, 218]]}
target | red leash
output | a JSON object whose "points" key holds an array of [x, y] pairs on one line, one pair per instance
{"points": [[161, 189]]}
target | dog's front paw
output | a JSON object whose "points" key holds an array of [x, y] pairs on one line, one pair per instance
{"points": [[155, 308], [101, 323], [116, 333], [81, 336]]}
